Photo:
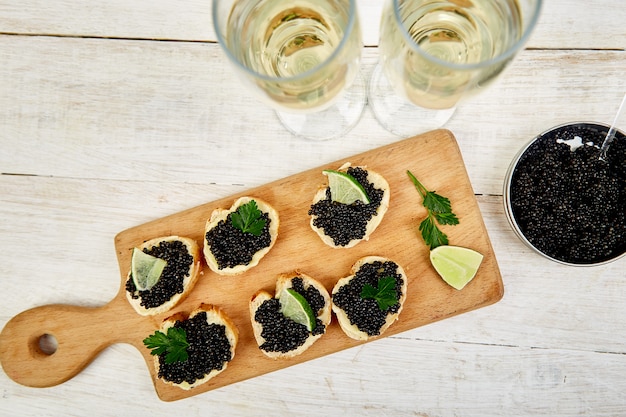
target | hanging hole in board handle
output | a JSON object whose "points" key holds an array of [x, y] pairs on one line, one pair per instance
{"points": [[47, 344]]}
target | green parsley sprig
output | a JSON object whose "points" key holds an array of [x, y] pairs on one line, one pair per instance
{"points": [[174, 343], [385, 293], [439, 211], [248, 218]]}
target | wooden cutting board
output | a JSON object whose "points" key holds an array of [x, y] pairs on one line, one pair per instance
{"points": [[435, 160]]}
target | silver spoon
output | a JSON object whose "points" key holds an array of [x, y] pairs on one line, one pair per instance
{"points": [[611, 133]]}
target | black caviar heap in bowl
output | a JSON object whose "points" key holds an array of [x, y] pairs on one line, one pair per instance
{"points": [[209, 349], [364, 313], [347, 222], [569, 204], [178, 260], [282, 334], [231, 247]]}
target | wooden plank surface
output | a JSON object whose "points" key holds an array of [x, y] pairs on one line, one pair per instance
{"points": [[552, 321], [167, 115], [152, 20], [118, 113], [434, 157]]}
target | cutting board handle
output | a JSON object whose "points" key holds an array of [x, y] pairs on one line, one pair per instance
{"points": [[47, 345]]}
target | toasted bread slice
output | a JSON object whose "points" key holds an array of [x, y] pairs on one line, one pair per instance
{"points": [[279, 345], [378, 182], [235, 266], [177, 280], [359, 318], [199, 368]]}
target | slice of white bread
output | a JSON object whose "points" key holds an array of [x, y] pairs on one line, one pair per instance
{"points": [[189, 279], [351, 329], [285, 281], [379, 182], [221, 214], [214, 315]]}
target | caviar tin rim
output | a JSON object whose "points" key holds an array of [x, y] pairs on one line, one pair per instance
{"points": [[508, 210]]}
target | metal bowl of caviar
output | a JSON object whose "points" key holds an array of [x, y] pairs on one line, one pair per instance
{"points": [[566, 203]]}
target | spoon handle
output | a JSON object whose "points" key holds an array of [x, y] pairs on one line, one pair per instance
{"points": [[611, 133]]}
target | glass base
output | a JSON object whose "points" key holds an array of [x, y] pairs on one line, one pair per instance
{"points": [[333, 122], [396, 114]]}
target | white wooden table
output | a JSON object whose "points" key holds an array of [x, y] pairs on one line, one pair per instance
{"points": [[119, 112]]}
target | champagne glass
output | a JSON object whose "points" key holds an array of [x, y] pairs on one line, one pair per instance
{"points": [[301, 57], [435, 53]]}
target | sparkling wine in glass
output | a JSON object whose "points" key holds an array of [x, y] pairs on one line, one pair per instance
{"points": [[435, 53], [301, 57]]}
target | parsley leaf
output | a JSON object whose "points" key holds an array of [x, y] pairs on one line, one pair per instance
{"points": [[174, 343], [436, 203], [248, 218], [439, 211], [385, 295], [446, 218], [431, 233]]}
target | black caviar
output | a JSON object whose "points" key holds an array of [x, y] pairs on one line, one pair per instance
{"points": [[209, 349], [282, 334], [568, 203], [231, 247], [364, 313], [347, 222], [179, 261]]}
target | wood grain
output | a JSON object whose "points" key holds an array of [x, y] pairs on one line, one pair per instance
{"points": [[151, 19], [100, 100], [433, 157], [175, 120]]}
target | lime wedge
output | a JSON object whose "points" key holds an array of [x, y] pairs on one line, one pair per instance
{"points": [[456, 265], [146, 269], [295, 307], [344, 188]]}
